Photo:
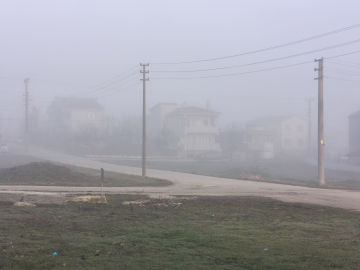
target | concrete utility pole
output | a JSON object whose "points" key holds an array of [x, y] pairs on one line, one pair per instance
{"points": [[321, 144], [309, 144], [144, 120], [26, 81]]}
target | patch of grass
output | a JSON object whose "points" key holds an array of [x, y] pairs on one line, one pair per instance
{"points": [[202, 233], [11, 160], [47, 174], [280, 172]]}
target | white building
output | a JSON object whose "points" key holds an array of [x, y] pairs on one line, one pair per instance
{"points": [[193, 129], [277, 135], [71, 113]]}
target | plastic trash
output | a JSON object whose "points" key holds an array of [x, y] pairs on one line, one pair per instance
{"points": [[265, 249], [54, 254]]}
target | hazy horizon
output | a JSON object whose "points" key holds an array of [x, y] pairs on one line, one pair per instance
{"points": [[65, 47]]}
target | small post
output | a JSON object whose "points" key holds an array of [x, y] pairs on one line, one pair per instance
{"points": [[102, 181]]}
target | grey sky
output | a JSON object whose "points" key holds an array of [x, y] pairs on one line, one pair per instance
{"points": [[85, 43]]}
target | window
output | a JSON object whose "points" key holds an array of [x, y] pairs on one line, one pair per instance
{"points": [[188, 122], [288, 142], [268, 138], [206, 122], [300, 142], [206, 139], [300, 128], [91, 116]]}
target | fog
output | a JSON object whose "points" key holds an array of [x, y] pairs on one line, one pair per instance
{"points": [[67, 47]]}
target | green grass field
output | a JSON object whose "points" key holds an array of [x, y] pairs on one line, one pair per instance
{"points": [[49, 174], [282, 172], [188, 233]]}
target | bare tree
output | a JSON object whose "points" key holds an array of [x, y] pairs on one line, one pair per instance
{"points": [[89, 135]]}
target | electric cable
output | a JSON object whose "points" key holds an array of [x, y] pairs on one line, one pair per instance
{"points": [[262, 62], [100, 85], [240, 73], [262, 50], [233, 74], [341, 71], [127, 77], [340, 79], [120, 90]]}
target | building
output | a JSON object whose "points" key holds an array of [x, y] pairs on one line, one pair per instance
{"points": [[70, 113], [189, 130], [271, 136], [354, 138]]}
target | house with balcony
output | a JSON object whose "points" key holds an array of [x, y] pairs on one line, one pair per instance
{"points": [[190, 130], [70, 113], [271, 136]]}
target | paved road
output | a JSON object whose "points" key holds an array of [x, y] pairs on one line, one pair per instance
{"points": [[189, 184]]}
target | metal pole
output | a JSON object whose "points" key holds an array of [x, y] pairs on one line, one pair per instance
{"points": [[321, 174], [144, 121], [26, 117]]}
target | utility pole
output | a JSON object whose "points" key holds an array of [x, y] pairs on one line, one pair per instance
{"points": [[144, 120], [309, 129], [26, 81], [321, 144]]}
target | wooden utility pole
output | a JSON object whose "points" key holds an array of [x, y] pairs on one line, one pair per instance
{"points": [[309, 128], [321, 174], [144, 120], [26, 81]]}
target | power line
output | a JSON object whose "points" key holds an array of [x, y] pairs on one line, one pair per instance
{"points": [[117, 86], [240, 73], [127, 77], [233, 74], [348, 65], [342, 71], [340, 79], [100, 85], [357, 64], [120, 90], [261, 62], [266, 49]]}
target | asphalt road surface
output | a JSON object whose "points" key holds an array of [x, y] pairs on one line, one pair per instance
{"points": [[190, 184]]}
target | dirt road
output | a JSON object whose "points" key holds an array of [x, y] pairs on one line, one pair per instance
{"points": [[190, 184]]}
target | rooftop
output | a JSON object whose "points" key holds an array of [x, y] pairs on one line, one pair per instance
{"points": [[355, 114]]}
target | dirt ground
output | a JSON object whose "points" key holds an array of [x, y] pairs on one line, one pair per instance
{"points": [[193, 185]]}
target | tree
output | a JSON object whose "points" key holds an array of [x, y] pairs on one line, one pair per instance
{"points": [[90, 135], [232, 140]]}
